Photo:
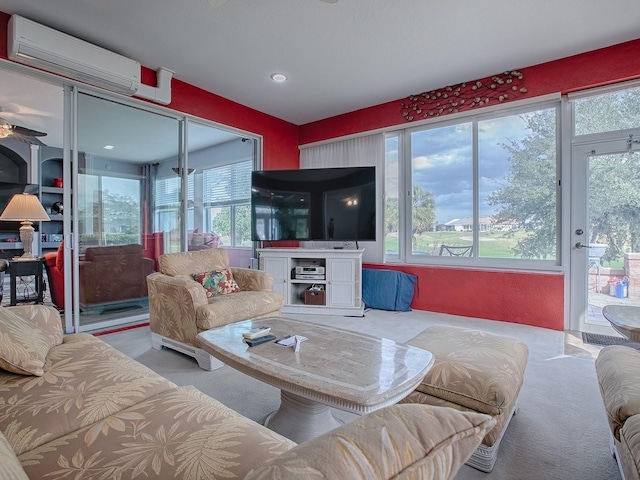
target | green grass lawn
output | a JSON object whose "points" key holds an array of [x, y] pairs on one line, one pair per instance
{"points": [[492, 244]]}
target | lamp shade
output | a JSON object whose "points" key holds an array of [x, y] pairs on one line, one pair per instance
{"points": [[24, 206]]}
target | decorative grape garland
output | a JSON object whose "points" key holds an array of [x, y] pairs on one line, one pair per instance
{"points": [[464, 96]]}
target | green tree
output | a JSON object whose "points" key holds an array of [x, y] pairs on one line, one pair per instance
{"points": [[614, 203], [614, 196], [529, 197], [122, 212], [391, 216], [423, 211], [242, 225]]}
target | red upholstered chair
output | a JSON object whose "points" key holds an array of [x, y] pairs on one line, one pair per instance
{"points": [[54, 265]]}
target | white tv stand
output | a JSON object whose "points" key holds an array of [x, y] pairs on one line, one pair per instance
{"points": [[342, 281]]}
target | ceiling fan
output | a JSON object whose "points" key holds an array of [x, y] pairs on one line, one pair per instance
{"points": [[219, 3], [22, 134]]}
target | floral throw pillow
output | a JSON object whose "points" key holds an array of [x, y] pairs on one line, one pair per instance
{"points": [[217, 282]]}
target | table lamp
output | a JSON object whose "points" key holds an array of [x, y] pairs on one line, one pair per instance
{"points": [[25, 208]]}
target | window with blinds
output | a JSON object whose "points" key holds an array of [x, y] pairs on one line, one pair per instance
{"points": [[227, 184], [218, 203], [167, 191]]}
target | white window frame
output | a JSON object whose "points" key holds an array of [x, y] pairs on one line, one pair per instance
{"points": [[405, 181]]}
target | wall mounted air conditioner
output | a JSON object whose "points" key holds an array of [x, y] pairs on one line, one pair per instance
{"points": [[39, 46]]}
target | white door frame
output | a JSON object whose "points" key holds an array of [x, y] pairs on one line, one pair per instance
{"points": [[581, 150]]}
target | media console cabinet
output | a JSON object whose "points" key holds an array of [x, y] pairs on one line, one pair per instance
{"points": [[340, 284]]}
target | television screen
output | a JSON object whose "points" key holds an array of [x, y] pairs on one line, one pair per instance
{"points": [[8, 190], [330, 204]]}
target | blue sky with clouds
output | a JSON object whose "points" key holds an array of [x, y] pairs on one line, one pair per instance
{"points": [[442, 163]]}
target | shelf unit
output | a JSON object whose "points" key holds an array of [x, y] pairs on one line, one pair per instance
{"points": [[51, 232], [342, 281]]}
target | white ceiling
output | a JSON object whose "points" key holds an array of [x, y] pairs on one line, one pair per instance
{"points": [[138, 136], [339, 57]]}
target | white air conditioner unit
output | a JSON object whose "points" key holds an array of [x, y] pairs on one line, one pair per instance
{"points": [[39, 46]]}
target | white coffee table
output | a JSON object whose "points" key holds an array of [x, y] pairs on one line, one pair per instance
{"points": [[337, 368]]}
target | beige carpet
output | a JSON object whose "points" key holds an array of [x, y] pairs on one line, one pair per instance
{"points": [[560, 431]]}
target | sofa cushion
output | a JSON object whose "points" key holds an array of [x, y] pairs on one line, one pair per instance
{"points": [[85, 381], [474, 369], [629, 448], [25, 342], [399, 442], [618, 369], [217, 282], [181, 433], [11, 467], [225, 309], [187, 263]]}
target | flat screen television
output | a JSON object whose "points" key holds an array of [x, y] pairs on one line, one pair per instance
{"points": [[320, 204], [8, 190]]}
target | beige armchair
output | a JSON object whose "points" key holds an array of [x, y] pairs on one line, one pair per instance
{"points": [[179, 308]]}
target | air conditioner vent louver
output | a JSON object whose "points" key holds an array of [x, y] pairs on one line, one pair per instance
{"points": [[33, 44]]}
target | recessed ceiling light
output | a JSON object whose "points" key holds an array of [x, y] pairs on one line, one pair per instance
{"points": [[278, 77], [108, 147]]}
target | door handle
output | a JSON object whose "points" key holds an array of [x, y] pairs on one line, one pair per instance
{"points": [[581, 245]]}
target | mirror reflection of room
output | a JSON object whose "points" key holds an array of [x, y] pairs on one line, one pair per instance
{"points": [[130, 206]]}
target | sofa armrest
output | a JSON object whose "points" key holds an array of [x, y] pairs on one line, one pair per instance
{"points": [[251, 279], [42, 313], [408, 441], [618, 371], [173, 302]]}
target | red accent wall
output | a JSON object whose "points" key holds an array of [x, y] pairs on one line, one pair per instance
{"points": [[527, 298]]}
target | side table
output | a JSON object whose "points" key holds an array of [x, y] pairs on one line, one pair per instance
{"points": [[33, 291], [625, 319]]}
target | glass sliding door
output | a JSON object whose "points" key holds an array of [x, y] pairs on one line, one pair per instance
{"points": [[119, 232], [218, 213]]}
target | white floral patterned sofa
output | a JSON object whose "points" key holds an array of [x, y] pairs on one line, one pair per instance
{"points": [[618, 372], [74, 407], [181, 307]]}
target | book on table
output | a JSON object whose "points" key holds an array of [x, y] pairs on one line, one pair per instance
{"points": [[256, 332]]}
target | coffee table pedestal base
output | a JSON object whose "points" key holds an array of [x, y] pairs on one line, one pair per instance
{"points": [[300, 419]]}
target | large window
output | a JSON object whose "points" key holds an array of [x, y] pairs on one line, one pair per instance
{"points": [[482, 189]]}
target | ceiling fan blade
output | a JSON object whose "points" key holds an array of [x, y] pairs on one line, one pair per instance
{"points": [[27, 139], [17, 130], [21, 134]]}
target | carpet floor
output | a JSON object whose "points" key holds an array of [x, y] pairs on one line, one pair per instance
{"points": [[559, 432]]}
